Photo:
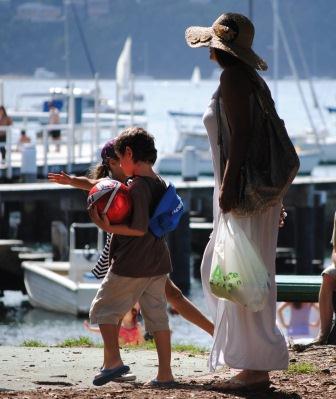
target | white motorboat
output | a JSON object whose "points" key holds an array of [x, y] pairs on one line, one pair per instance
{"points": [[191, 133], [65, 287], [324, 141], [309, 159]]}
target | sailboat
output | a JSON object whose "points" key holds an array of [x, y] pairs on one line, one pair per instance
{"points": [[127, 101], [310, 156], [196, 76]]}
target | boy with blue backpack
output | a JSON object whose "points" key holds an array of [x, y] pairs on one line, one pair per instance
{"points": [[139, 259]]}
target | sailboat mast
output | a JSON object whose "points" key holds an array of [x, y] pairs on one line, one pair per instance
{"points": [[250, 9], [275, 7], [66, 42]]}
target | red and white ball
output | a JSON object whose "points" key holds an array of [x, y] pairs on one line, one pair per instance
{"points": [[111, 198]]}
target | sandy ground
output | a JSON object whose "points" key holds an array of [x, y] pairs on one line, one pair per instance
{"points": [[59, 373], [28, 368]]}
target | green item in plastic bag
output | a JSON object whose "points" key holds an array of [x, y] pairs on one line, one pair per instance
{"points": [[223, 284]]}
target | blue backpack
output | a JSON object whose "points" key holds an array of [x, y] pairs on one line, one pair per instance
{"points": [[167, 213]]}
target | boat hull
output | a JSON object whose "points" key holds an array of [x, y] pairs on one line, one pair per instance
{"points": [[49, 290], [171, 164]]}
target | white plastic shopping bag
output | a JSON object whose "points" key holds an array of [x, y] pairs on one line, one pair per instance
{"points": [[238, 272]]}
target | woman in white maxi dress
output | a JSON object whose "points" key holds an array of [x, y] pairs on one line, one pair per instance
{"points": [[245, 340]]}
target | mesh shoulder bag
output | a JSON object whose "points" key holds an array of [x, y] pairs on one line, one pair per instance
{"points": [[271, 161]]}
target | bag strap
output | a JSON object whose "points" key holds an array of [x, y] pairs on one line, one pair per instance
{"points": [[113, 194], [150, 189], [229, 229], [220, 139]]}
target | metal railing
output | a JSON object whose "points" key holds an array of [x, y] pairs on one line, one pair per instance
{"points": [[78, 143]]}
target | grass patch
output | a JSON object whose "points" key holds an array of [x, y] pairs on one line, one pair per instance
{"points": [[32, 343], [86, 342], [301, 368], [192, 349], [77, 342]]}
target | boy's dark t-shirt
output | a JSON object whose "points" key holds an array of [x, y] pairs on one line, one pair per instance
{"points": [[144, 256]]}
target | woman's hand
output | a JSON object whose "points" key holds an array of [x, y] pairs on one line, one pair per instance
{"points": [[283, 215], [100, 220], [60, 178]]}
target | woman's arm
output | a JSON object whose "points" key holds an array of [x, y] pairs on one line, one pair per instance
{"points": [[81, 182], [122, 229], [333, 256], [315, 323], [235, 91], [280, 310]]}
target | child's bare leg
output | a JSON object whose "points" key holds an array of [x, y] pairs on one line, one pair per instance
{"points": [[163, 347], [110, 333], [186, 308]]}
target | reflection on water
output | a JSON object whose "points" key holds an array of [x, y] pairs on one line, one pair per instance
{"points": [[19, 322]]}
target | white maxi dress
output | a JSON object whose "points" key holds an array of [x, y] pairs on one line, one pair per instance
{"points": [[243, 339]]}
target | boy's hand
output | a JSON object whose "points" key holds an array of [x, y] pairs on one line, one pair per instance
{"points": [[60, 178], [100, 220]]}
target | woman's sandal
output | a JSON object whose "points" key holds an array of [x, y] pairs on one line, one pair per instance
{"points": [[234, 384]]}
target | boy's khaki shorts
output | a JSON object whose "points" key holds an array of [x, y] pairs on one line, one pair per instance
{"points": [[118, 294]]}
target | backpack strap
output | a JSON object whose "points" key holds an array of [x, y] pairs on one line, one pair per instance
{"points": [[220, 138]]}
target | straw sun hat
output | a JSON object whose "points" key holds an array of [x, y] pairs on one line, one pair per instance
{"points": [[230, 32]]}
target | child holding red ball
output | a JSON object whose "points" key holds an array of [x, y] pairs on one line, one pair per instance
{"points": [[139, 262]]}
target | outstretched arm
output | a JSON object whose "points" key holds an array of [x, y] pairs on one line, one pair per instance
{"points": [[81, 182]]}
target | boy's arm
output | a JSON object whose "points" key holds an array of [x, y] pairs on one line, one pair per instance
{"points": [[103, 223], [81, 182]]}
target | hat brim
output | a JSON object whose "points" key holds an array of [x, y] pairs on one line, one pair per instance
{"points": [[198, 36]]}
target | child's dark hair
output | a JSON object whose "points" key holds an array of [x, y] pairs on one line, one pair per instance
{"points": [[140, 142], [102, 169]]}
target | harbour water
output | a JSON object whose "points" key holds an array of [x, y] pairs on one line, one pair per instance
{"points": [[19, 322]]}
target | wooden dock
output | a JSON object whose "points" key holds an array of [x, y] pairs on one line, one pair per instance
{"points": [[311, 203]]}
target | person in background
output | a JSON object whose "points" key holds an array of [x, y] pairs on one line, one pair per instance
{"points": [[5, 120], [54, 119], [298, 323], [130, 332], [327, 299], [24, 139]]}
